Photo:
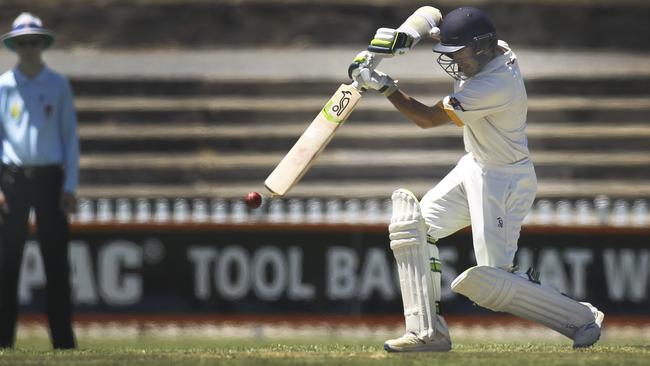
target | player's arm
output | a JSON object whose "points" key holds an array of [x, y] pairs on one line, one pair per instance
{"points": [[423, 23], [422, 115]]}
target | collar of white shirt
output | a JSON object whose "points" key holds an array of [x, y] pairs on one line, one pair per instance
{"points": [[507, 57], [22, 78]]}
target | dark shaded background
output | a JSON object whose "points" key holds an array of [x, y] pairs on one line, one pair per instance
{"points": [[208, 24]]}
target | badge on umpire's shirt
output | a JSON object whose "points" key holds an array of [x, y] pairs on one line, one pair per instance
{"points": [[15, 110]]}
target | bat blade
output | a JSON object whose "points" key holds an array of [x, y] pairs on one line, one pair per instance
{"points": [[312, 142]]}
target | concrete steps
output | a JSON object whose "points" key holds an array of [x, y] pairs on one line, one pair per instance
{"points": [[311, 103], [341, 164], [144, 142], [633, 81], [255, 109], [189, 98], [547, 188], [214, 123], [269, 137]]}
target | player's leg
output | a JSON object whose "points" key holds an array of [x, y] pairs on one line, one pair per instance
{"points": [[445, 211], [500, 290], [12, 244], [445, 207], [499, 201], [53, 235], [418, 267]]}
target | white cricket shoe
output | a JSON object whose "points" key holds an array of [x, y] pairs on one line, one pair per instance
{"points": [[410, 342], [589, 334]]}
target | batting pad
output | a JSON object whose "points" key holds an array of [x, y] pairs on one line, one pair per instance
{"points": [[499, 290], [418, 264]]}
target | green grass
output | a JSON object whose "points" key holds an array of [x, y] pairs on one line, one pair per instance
{"points": [[152, 351]]}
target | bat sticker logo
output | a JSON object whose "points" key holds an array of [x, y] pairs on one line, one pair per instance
{"points": [[343, 103], [336, 109]]}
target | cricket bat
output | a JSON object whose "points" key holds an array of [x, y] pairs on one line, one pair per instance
{"points": [[312, 142], [319, 133]]}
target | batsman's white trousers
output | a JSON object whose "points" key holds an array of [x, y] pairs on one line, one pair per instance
{"points": [[493, 199]]}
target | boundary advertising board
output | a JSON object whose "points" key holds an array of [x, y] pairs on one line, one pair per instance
{"points": [[316, 269]]}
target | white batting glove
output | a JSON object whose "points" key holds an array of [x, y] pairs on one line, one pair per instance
{"points": [[375, 80], [363, 59]]}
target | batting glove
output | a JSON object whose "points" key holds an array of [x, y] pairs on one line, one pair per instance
{"points": [[389, 41], [375, 80], [363, 59]]}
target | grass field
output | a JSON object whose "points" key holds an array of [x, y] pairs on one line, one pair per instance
{"points": [[160, 351]]}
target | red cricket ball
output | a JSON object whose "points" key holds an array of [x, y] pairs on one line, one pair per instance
{"points": [[253, 200]]}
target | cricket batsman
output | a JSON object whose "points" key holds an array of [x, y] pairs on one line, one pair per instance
{"points": [[492, 187]]}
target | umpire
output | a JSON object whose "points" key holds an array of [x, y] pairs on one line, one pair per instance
{"points": [[40, 165]]}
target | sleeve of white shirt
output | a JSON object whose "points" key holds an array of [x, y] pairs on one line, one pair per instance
{"points": [[477, 99], [70, 141]]}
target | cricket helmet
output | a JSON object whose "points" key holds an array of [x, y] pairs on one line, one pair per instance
{"points": [[461, 28]]}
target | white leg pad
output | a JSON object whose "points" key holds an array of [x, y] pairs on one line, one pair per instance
{"points": [[500, 290], [418, 265]]}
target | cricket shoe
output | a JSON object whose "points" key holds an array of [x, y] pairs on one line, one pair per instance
{"points": [[589, 334], [410, 342]]}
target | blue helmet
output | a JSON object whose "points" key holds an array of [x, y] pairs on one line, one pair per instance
{"points": [[465, 27]]}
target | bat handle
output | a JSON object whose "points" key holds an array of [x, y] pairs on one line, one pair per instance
{"points": [[355, 84]]}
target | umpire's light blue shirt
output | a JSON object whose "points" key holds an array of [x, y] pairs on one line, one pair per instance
{"points": [[39, 123]]}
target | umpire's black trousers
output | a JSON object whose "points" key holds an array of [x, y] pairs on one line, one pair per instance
{"points": [[40, 188]]}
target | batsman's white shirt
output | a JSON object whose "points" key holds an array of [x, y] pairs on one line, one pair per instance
{"points": [[491, 107], [494, 185]]}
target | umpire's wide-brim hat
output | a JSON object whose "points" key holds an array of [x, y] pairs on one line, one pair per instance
{"points": [[27, 24]]}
